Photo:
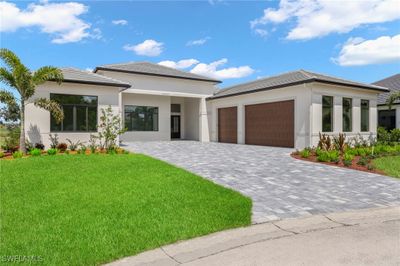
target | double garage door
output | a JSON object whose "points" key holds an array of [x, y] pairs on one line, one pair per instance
{"points": [[269, 124]]}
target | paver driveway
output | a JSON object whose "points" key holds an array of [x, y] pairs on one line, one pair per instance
{"points": [[279, 185]]}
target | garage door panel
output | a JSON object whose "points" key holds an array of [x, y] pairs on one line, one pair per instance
{"points": [[227, 125], [270, 124]]}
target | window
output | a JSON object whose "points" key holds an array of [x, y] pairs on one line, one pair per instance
{"points": [[347, 114], [364, 115], [141, 118], [175, 108], [387, 119], [327, 113], [80, 113]]}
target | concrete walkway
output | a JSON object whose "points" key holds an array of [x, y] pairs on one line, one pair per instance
{"points": [[280, 186], [367, 237]]}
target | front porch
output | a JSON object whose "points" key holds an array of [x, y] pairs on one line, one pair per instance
{"points": [[152, 116]]}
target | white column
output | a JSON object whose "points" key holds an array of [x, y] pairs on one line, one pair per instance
{"points": [[204, 134], [397, 116], [241, 124], [337, 114], [356, 115]]}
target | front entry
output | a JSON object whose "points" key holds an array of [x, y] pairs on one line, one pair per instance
{"points": [[175, 126]]}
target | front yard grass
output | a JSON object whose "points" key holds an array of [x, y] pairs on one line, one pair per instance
{"points": [[92, 209], [389, 165]]}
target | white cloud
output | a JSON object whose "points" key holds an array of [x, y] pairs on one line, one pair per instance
{"points": [[198, 42], [61, 20], [261, 32], [210, 70], [121, 22], [357, 51], [182, 64], [316, 18], [146, 48]]}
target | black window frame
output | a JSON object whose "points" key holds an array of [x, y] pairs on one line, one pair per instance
{"points": [[131, 128], [344, 114], [331, 107], [74, 114], [361, 115]]}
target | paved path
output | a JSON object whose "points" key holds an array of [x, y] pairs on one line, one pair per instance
{"points": [[279, 185], [367, 237]]}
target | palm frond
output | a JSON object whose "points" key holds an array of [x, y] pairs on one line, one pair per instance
{"points": [[7, 97], [7, 77], [52, 106], [392, 99], [47, 73], [9, 58]]}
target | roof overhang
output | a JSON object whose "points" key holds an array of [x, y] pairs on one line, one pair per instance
{"points": [[96, 83]]}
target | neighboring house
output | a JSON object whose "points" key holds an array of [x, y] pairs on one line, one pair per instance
{"points": [[160, 103], [389, 119]]}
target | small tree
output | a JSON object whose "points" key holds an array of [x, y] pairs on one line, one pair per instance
{"points": [[110, 128], [17, 76]]}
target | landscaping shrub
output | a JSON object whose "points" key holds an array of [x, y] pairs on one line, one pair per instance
{"points": [[340, 143], [52, 151], [109, 129], [334, 156], [39, 146], [324, 156], [82, 149], [363, 161], [73, 146], [305, 153], [17, 154], [348, 159], [325, 142], [370, 167], [53, 141], [11, 141], [36, 152], [112, 151], [62, 147], [2, 154]]}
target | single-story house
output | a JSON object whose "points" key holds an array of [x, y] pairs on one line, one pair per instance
{"points": [[389, 119], [161, 103]]}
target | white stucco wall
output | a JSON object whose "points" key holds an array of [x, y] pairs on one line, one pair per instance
{"points": [[302, 101], [37, 120], [192, 118], [338, 93]]}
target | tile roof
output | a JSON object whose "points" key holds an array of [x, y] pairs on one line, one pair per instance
{"points": [[392, 83], [153, 69], [289, 79], [81, 76]]}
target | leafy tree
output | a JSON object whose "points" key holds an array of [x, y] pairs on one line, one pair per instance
{"points": [[17, 76], [110, 128], [395, 96]]}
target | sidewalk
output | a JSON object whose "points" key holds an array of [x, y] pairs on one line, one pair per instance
{"points": [[366, 237]]}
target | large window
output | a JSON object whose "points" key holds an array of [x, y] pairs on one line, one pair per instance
{"points": [[141, 118], [387, 119], [327, 113], [80, 113], [347, 115], [364, 115]]}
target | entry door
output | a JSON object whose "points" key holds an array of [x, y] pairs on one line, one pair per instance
{"points": [[227, 125], [175, 126]]}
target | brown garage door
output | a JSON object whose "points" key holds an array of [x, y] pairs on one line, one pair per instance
{"points": [[270, 124], [227, 124]]}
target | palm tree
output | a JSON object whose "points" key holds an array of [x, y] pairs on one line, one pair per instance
{"points": [[17, 76], [395, 96]]}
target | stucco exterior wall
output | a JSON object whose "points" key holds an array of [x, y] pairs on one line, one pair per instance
{"points": [[338, 93], [37, 120], [301, 95], [192, 118]]}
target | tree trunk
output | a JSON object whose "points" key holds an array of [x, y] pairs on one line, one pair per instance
{"points": [[22, 146]]}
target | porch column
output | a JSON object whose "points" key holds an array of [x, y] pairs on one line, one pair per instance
{"points": [[120, 111], [204, 134]]}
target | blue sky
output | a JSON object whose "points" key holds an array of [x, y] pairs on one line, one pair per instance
{"points": [[232, 41]]}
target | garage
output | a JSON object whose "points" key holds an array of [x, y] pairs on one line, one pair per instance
{"points": [[270, 124], [227, 125]]}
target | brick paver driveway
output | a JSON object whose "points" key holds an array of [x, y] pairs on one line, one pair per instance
{"points": [[279, 185]]}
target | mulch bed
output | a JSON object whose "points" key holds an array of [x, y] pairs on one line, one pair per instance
{"points": [[354, 165]]}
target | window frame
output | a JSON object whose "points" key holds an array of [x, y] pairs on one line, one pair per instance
{"points": [[350, 114], [74, 114], [361, 115], [135, 105], [331, 113]]}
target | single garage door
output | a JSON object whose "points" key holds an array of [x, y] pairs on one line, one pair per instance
{"points": [[270, 124], [227, 125]]}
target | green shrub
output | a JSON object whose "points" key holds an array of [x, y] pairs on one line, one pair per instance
{"points": [[36, 152], [318, 151], [126, 152], [17, 154], [363, 161], [111, 151], [2, 154], [324, 156], [305, 153], [334, 156], [52, 151], [348, 159], [370, 167], [395, 135], [82, 149]]}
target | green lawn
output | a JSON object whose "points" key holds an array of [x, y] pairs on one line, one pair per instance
{"points": [[92, 209], [390, 165]]}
